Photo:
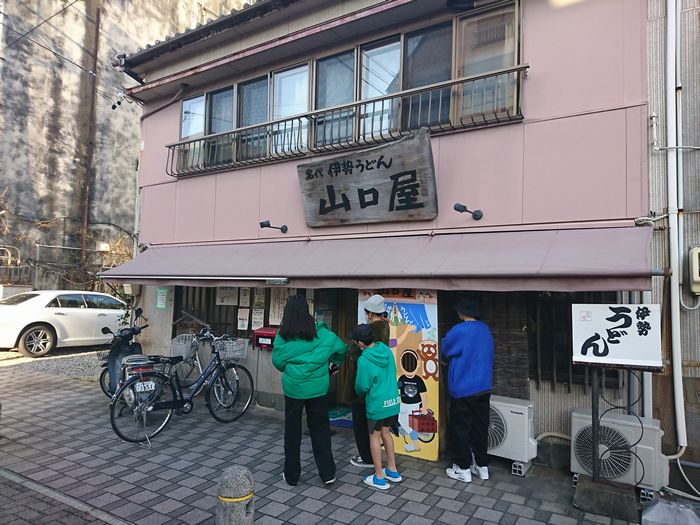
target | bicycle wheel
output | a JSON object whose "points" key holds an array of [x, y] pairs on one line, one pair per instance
{"points": [[426, 437], [229, 393], [104, 382], [142, 407]]}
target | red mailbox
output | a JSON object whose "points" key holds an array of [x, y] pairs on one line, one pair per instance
{"points": [[263, 337]]}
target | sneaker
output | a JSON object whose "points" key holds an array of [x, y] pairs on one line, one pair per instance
{"points": [[359, 462], [411, 447], [479, 472], [373, 481], [287, 482], [329, 481], [392, 475], [460, 474]]}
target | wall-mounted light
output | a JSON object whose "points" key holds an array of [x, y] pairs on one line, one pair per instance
{"points": [[461, 208], [266, 224]]}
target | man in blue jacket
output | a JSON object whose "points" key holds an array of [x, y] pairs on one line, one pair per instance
{"points": [[469, 348]]}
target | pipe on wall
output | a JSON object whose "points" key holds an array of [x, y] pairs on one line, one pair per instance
{"points": [[672, 78]]}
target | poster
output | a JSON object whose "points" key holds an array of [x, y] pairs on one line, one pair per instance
{"points": [[227, 295], [258, 318], [244, 299], [278, 298], [413, 339], [161, 298], [243, 316], [258, 297]]}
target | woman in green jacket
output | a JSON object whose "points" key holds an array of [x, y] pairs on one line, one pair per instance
{"points": [[302, 351]]}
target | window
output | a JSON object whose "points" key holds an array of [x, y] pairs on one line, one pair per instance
{"points": [[104, 302], [291, 97], [427, 60], [381, 64], [191, 154], [252, 109], [192, 119], [487, 43], [335, 79], [69, 301], [549, 335], [220, 120]]}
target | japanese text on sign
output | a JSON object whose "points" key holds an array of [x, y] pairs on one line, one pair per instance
{"points": [[394, 182], [626, 335]]}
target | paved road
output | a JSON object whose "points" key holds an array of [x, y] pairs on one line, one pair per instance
{"points": [[55, 432]]}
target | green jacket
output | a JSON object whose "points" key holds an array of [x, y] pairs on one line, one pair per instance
{"points": [[381, 333], [376, 381], [304, 364]]}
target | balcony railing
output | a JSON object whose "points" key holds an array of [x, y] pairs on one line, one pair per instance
{"points": [[470, 102]]}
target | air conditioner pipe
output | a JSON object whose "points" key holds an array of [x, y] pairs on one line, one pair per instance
{"points": [[672, 80]]}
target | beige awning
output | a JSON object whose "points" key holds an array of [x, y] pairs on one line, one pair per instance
{"points": [[553, 260]]}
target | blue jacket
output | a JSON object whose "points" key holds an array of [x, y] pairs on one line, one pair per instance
{"points": [[469, 347]]}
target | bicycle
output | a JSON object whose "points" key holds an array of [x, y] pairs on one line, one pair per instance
{"points": [[144, 404]]}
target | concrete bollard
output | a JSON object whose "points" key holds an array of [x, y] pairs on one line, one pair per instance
{"points": [[235, 500]]}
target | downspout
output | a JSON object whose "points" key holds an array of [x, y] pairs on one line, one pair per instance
{"points": [[672, 79]]}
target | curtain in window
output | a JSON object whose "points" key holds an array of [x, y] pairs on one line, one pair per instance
{"points": [[335, 78], [427, 60], [252, 109]]}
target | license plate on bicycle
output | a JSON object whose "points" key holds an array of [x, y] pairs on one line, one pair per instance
{"points": [[145, 386]]}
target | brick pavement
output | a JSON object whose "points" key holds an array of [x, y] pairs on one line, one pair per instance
{"points": [[56, 432]]}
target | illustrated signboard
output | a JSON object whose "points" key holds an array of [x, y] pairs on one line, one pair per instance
{"points": [[617, 335], [394, 182], [412, 318], [227, 295]]}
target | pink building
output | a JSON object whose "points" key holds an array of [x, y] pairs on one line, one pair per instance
{"points": [[537, 113]]}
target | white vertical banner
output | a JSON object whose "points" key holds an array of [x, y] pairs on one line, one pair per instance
{"points": [[243, 316], [624, 335]]}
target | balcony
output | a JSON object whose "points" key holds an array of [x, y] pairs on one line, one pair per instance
{"points": [[456, 105]]}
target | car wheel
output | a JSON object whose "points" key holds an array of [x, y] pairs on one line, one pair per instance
{"points": [[36, 341]]}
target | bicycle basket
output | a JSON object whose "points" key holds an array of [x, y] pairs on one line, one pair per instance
{"points": [[180, 346], [233, 349]]}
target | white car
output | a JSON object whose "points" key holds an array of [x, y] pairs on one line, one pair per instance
{"points": [[37, 322]]}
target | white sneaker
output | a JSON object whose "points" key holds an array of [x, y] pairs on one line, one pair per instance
{"points": [[479, 472], [358, 462], [411, 447], [457, 473]]}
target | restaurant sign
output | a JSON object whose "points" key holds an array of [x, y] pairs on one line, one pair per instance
{"points": [[393, 182]]}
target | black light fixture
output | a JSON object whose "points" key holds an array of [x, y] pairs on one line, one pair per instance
{"points": [[266, 224], [461, 208]]}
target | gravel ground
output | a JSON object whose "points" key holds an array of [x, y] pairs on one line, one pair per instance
{"points": [[76, 363]]}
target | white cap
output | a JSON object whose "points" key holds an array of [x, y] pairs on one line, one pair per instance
{"points": [[375, 304]]}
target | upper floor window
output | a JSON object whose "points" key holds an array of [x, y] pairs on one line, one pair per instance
{"points": [[427, 60], [335, 81], [192, 118], [459, 73], [486, 43], [220, 111]]}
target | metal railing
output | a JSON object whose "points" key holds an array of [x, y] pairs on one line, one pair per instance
{"points": [[470, 102]]}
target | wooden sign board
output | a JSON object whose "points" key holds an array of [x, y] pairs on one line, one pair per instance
{"points": [[393, 182]]}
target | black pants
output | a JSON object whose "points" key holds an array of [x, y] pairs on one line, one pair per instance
{"points": [[319, 429], [469, 430], [359, 428]]}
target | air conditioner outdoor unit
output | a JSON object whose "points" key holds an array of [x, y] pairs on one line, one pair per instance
{"points": [[630, 451], [511, 432]]}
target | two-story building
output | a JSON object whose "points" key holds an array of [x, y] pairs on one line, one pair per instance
{"points": [[283, 151]]}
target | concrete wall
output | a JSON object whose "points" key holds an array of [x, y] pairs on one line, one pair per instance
{"points": [[51, 148]]}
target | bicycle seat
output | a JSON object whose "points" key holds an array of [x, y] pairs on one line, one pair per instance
{"points": [[170, 360]]}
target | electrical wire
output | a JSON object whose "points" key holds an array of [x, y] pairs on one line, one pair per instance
{"points": [[40, 24], [678, 461]]}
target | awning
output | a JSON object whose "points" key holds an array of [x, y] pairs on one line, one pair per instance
{"points": [[549, 260]]}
